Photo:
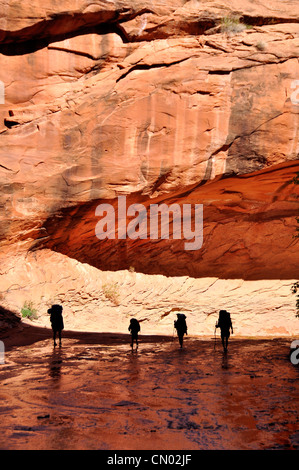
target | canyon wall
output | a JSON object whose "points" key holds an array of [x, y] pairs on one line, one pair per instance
{"points": [[174, 102]]}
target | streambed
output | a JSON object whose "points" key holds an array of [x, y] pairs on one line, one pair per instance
{"points": [[94, 393]]}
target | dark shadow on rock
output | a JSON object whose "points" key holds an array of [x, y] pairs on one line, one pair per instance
{"points": [[27, 335], [9, 321], [71, 232]]}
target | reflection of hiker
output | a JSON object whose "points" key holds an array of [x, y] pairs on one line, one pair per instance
{"points": [[181, 327], [56, 320], [134, 329], [225, 324]]}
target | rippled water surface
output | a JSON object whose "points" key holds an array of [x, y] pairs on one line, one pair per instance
{"points": [[91, 395]]}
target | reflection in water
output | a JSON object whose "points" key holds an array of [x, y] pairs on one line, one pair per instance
{"points": [[225, 360], [133, 366], [55, 364], [106, 396]]}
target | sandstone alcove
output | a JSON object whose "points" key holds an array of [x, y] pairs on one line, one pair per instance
{"points": [[175, 103]]}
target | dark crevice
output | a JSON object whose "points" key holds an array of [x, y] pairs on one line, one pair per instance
{"points": [[33, 45], [67, 25], [70, 25], [202, 92], [118, 29], [264, 21], [161, 180], [255, 63], [69, 22], [192, 28], [149, 67], [10, 123], [5, 168], [197, 28], [223, 148], [71, 51], [220, 72]]}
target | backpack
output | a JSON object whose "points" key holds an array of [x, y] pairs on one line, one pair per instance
{"points": [[56, 318], [134, 325], [224, 320], [180, 324]]}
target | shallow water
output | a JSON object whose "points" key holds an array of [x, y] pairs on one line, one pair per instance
{"points": [[101, 396]]}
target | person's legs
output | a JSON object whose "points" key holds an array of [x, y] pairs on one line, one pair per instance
{"points": [[54, 337], [224, 338], [59, 334], [134, 338]]}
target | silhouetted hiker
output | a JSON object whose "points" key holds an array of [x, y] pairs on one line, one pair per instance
{"points": [[225, 324], [181, 327], [56, 320], [134, 329]]}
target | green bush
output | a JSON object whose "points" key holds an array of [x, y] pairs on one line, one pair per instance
{"points": [[28, 311]]}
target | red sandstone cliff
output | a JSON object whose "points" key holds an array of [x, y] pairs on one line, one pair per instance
{"points": [[175, 102]]}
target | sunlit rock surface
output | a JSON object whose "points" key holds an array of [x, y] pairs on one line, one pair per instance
{"points": [[99, 301], [167, 103]]}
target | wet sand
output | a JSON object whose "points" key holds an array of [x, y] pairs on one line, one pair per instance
{"points": [[94, 393]]}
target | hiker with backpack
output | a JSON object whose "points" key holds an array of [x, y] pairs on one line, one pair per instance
{"points": [[225, 325], [56, 320], [181, 327], [134, 329]]}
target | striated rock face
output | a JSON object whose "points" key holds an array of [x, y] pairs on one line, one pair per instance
{"points": [[95, 300], [164, 102]]}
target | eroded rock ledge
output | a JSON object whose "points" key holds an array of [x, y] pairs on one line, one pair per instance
{"points": [[94, 300]]}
